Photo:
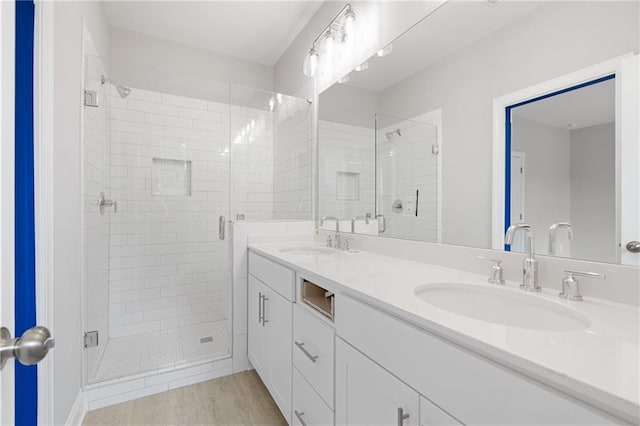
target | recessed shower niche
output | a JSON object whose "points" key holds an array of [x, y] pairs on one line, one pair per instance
{"points": [[170, 177]]}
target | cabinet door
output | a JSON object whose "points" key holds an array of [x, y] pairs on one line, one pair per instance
{"points": [[432, 415], [257, 332], [278, 319], [366, 394]]}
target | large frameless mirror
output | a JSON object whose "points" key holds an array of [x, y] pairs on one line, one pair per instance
{"points": [[529, 115]]}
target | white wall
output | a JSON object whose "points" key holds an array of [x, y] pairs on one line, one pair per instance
{"points": [[348, 105], [67, 232], [547, 176], [593, 203], [154, 64], [555, 39]]}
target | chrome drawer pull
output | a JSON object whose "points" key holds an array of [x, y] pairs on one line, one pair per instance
{"points": [[264, 311], [402, 416], [300, 346], [259, 307], [299, 416]]}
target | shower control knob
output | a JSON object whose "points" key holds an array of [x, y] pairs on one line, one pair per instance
{"points": [[29, 349], [633, 246]]}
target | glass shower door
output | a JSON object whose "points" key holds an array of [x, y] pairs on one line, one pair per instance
{"points": [[158, 292], [406, 178]]}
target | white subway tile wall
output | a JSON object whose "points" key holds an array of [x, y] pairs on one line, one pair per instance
{"points": [[292, 161], [251, 163], [168, 267], [346, 149], [95, 179], [406, 165]]}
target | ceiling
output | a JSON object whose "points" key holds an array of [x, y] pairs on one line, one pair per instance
{"points": [[257, 31], [454, 26], [585, 107]]}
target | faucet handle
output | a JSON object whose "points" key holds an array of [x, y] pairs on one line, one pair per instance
{"points": [[496, 275], [329, 241], [571, 286], [346, 243]]}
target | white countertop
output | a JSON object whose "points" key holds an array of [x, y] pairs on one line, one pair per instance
{"points": [[600, 365]]}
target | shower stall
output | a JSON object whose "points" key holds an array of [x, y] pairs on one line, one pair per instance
{"points": [[164, 174], [408, 186]]}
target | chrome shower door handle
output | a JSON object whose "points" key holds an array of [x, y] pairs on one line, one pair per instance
{"points": [[402, 416], [221, 227]]}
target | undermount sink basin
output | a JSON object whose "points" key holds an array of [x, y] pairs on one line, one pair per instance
{"points": [[308, 251], [502, 306]]}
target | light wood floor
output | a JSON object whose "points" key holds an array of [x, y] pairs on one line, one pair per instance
{"points": [[239, 399]]}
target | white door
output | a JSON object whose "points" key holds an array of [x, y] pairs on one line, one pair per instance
{"points": [[366, 394], [517, 197], [629, 158], [7, 43], [278, 317]]}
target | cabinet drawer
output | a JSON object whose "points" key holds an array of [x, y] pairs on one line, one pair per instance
{"points": [[278, 277], [308, 407], [313, 343], [469, 387]]}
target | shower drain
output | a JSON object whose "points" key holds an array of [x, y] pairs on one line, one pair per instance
{"points": [[206, 339]]}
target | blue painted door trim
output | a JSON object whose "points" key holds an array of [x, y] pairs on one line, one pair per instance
{"points": [[26, 378], [507, 146]]}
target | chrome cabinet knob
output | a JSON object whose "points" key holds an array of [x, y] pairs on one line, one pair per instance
{"points": [[633, 246], [29, 349]]}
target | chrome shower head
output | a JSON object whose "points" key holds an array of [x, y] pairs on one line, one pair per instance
{"points": [[390, 135], [123, 91]]}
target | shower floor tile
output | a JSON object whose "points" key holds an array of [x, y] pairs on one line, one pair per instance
{"points": [[141, 353]]}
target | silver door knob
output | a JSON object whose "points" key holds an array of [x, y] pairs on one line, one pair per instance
{"points": [[633, 246], [29, 349]]}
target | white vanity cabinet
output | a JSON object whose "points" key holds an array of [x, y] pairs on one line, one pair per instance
{"points": [[270, 311], [366, 394], [470, 388]]}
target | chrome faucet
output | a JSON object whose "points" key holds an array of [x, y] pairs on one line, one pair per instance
{"points": [[553, 229], [336, 243], [530, 265], [357, 218], [571, 286]]}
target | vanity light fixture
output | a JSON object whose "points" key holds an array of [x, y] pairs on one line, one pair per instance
{"points": [[310, 67], [342, 29], [385, 50]]}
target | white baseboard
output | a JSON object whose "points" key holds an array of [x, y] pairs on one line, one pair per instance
{"points": [[78, 410], [115, 392]]}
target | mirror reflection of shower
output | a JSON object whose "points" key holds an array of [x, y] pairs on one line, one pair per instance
{"points": [[391, 135], [123, 91]]}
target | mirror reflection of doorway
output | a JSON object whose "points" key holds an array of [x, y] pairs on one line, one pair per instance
{"points": [[568, 138], [517, 196]]}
